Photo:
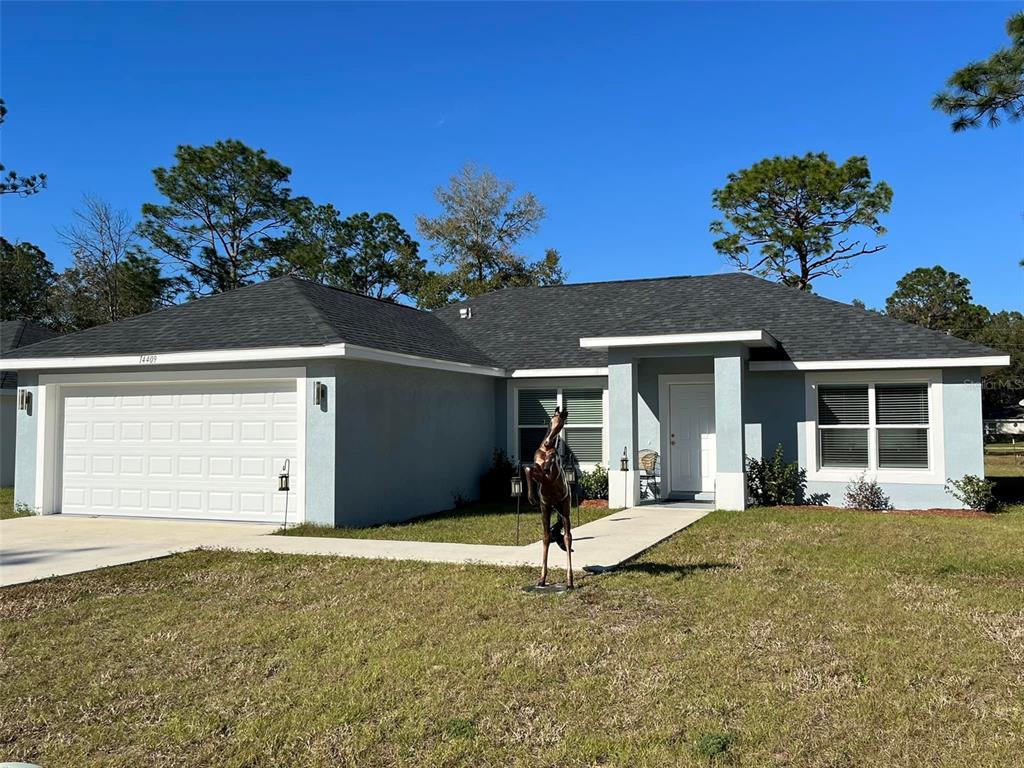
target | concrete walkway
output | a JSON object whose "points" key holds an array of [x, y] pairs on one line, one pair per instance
{"points": [[37, 547]]}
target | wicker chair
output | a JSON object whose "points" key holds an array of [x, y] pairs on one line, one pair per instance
{"points": [[650, 475]]}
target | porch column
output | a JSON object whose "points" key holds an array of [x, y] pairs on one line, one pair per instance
{"points": [[730, 478], [623, 487]]}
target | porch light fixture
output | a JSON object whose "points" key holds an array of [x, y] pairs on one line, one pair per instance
{"points": [[24, 399], [318, 393], [517, 492], [282, 485]]}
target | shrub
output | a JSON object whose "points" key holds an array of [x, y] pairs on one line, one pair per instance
{"points": [[865, 494], [594, 484], [771, 481], [973, 492], [495, 484]]}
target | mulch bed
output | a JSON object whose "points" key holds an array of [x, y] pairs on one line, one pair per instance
{"points": [[935, 512], [594, 504]]}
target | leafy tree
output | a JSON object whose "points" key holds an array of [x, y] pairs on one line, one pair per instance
{"points": [[80, 298], [478, 233], [112, 277], [990, 90], [26, 276], [937, 299], [12, 183], [1003, 389], [788, 217], [225, 204], [367, 254]]}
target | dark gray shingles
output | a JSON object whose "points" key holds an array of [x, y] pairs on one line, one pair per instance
{"points": [[15, 334], [285, 312], [541, 327]]}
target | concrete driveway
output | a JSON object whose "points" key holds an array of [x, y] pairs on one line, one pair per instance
{"points": [[53, 545]]}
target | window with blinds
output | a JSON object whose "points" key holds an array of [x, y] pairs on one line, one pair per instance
{"points": [[901, 413], [873, 426], [843, 416], [584, 429]]}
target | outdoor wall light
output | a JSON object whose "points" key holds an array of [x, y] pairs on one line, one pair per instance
{"points": [[319, 390], [24, 399], [624, 461]]}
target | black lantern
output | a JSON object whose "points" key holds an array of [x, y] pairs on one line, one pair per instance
{"points": [[624, 461], [570, 475], [282, 479], [517, 486]]}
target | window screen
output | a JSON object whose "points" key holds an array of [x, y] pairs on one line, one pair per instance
{"points": [[903, 448], [844, 447], [901, 403]]}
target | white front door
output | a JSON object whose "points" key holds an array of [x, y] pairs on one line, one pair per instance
{"points": [[692, 438], [193, 450]]}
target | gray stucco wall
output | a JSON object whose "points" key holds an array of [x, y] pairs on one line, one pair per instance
{"points": [[25, 459], [321, 438], [8, 438], [409, 440]]}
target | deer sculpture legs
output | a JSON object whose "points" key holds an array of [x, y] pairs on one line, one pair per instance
{"points": [[561, 533]]}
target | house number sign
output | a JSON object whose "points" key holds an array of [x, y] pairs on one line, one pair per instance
{"points": [[144, 359]]}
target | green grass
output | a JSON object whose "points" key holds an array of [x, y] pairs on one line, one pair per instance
{"points": [[7, 511], [763, 638], [485, 523], [1004, 463]]}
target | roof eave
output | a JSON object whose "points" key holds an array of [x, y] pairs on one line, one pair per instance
{"points": [[750, 338]]}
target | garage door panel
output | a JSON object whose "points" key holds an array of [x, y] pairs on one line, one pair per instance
{"points": [[195, 450]]}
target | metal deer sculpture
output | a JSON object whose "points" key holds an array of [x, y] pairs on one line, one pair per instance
{"points": [[547, 474]]}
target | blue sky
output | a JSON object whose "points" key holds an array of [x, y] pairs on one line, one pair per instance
{"points": [[620, 118]]}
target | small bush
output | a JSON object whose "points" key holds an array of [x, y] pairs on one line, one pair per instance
{"points": [[865, 494], [495, 484], [973, 492], [594, 484], [771, 481]]}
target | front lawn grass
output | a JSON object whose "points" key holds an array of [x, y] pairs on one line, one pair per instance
{"points": [[479, 523], [762, 638], [7, 511]]}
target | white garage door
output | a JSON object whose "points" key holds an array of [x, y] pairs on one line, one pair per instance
{"points": [[190, 450]]}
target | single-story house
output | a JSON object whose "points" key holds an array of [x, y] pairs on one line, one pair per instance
{"points": [[13, 334], [385, 412]]}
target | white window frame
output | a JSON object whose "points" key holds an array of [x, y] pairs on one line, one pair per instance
{"points": [[559, 385], [934, 473]]}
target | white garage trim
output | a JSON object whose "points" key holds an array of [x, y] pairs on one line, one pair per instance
{"points": [[53, 387]]}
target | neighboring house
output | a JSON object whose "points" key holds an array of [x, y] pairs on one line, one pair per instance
{"points": [[386, 412], [13, 334]]}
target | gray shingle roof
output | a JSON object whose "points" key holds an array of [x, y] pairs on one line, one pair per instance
{"points": [[808, 327], [15, 334], [516, 327], [284, 312]]}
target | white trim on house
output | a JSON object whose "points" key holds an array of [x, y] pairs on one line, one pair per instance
{"points": [[49, 399], [262, 354], [935, 474], [753, 338], [534, 373], [994, 361]]}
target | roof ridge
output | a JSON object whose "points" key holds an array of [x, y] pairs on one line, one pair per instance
{"points": [[350, 292], [323, 324]]}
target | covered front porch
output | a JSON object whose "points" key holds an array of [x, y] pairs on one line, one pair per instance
{"points": [[683, 398]]}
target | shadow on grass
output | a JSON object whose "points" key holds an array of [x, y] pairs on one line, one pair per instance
{"points": [[677, 571]]}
